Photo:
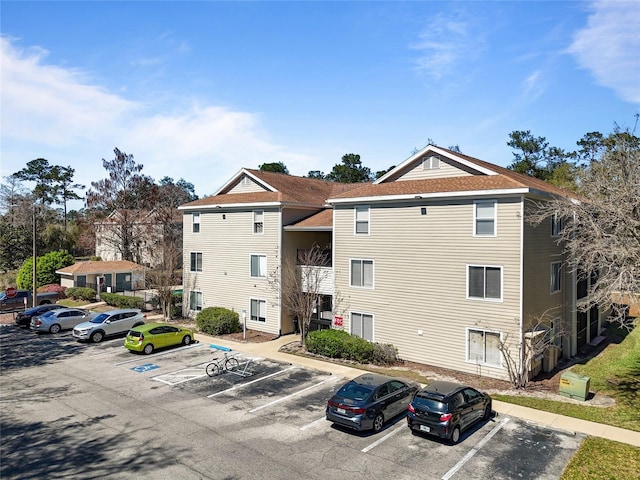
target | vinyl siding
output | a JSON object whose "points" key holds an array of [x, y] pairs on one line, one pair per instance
{"points": [[446, 170], [240, 187], [420, 277], [227, 244]]}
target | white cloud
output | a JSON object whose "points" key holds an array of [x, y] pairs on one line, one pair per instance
{"points": [[60, 114], [533, 86], [609, 47], [443, 43]]}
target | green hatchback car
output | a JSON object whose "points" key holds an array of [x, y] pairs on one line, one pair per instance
{"points": [[152, 336]]}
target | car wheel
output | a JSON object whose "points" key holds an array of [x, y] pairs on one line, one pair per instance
{"points": [[487, 412], [186, 340], [378, 422], [96, 337], [55, 328], [148, 348], [455, 435]]}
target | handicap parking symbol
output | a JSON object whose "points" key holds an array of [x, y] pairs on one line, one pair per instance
{"points": [[144, 368]]}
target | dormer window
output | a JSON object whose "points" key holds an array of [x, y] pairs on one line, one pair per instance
{"points": [[430, 163]]}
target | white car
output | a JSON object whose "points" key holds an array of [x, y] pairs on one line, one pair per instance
{"points": [[107, 324], [60, 319]]}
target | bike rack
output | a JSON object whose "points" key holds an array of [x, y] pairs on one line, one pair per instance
{"points": [[244, 372]]}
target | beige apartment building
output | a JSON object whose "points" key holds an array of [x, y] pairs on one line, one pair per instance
{"points": [[437, 257]]}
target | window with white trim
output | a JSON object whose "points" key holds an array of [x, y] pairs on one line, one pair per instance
{"points": [[258, 221], [362, 325], [362, 220], [484, 347], [430, 163], [195, 222], [259, 266], [484, 224], [484, 282], [258, 310], [556, 225], [195, 264], [556, 276], [362, 273], [195, 300]]}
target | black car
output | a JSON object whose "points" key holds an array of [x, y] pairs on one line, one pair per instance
{"points": [[367, 401], [445, 409], [23, 319]]}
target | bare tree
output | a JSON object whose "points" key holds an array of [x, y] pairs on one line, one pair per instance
{"points": [[519, 354], [600, 228], [161, 278], [299, 283]]}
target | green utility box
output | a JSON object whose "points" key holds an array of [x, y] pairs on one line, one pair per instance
{"points": [[574, 385]]}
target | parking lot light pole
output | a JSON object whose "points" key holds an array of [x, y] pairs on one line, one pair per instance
{"points": [[34, 286]]}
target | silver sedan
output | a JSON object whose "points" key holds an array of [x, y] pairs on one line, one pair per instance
{"points": [[61, 319]]}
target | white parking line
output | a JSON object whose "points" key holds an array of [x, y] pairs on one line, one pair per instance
{"points": [[186, 377], [235, 387], [282, 399], [188, 347], [313, 424], [386, 437], [474, 450]]}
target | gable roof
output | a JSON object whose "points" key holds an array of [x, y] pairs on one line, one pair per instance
{"points": [[279, 189], [105, 266], [490, 178]]}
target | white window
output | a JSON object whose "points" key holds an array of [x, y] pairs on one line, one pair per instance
{"points": [[556, 225], [484, 347], [195, 222], [259, 266], [362, 220], [246, 181], [195, 300], [258, 221], [362, 325], [556, 276], [484, 282], [430, 163], [195, 264], [258, 310], [485, 218], [362, 273]]}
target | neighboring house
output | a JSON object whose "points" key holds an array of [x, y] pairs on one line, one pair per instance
{"points": [[144, 234], [436, 257], [112, 276]]}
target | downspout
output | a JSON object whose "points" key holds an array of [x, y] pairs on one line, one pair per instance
{"points": [[522, 353], [279, 279]]}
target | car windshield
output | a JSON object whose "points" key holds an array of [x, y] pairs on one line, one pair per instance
{"points": [[133, 333], [48, 313], [430, 403], [100, 318], [355, 391]]}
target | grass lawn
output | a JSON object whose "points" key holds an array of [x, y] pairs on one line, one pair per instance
{"points": [[615, 372]]}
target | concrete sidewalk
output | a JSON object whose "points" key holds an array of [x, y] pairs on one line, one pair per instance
{"points": [[271, 350]]}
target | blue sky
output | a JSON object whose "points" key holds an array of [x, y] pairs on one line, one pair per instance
{"points": [[198, 90]]}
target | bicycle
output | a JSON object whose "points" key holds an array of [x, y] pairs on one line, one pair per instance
{"points": [[222, 365]]}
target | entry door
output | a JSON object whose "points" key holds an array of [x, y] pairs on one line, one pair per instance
{"points": [[593, 322], [582, 329]]}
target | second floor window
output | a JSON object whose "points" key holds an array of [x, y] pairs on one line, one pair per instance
{"points": [[362, 273], [259, 266], [362, 220], [485, 218], [258, 221], [195, 222], [556, 277], [195, 264], [485, 283]]}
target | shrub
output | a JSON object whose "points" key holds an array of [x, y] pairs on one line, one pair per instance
{"points": [[81, 293], [218, 321], [340, 344], [46, 266], [59, 289], [121, 301]]}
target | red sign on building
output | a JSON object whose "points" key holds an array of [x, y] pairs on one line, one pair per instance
{"points": [[337, 321]]}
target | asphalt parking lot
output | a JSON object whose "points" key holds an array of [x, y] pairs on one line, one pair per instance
{"points": [[97, 410]]}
